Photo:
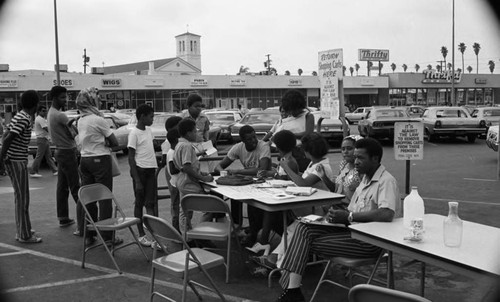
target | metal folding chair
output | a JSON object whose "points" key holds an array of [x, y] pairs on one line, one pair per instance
{"points": [[182, 263], [96, 192], [371, 293], [208, 230]]}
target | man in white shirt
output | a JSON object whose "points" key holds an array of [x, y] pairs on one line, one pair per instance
{"points": [[42, 143]]}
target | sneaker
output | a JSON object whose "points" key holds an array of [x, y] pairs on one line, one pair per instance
{"points": [[78, 233], [257, 247], [55, 173], [66, 222], [32, 239], [155, 245], [145, 241], [32, 233], [291, 295], [35, 175]]}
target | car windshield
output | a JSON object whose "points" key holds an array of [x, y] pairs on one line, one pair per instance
{"points": [[389, 113], [491, 112], [220, 117], [260, 118]]}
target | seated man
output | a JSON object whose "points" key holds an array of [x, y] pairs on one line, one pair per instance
{"points": [[376, 199]]}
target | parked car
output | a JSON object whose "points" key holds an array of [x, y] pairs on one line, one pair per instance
{"points": [[492, 138], [379, 122], [451, 122], [491, 115], [121, 119], [261, 121], [331, 129], [356, 115], [223, 119]]}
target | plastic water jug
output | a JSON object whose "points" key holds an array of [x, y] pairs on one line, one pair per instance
{"points": [[413, 207]]}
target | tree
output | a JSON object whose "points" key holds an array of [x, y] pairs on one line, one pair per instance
{"points": [[405, 67], [491, 64], [462, 48], [356, 66], [243, 70], [351, 70], [438, 68], [444, 52], [393, 67], [343, 70], [417, 67], [476, 48], [299, 71], [380, 66], [314, 73], [287, 72], [449, 66], [429, 67], [469, 69]]}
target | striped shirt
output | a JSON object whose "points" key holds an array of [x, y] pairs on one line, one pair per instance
{"points": [[20, 125]]}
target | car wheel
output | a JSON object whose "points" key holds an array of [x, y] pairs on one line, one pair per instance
{"points": [[430, 137], [471, 138]]}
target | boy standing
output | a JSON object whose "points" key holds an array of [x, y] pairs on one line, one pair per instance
{"points": [[42, 143], [143, 164], [14, 155]]}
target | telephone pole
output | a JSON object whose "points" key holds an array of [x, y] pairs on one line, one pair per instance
{"points": [[85, 60]]}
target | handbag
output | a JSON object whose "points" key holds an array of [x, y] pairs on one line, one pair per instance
{"points": [[234, 180], [115, 170]]}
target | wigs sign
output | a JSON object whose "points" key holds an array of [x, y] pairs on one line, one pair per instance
{"points": [[329, 71]]}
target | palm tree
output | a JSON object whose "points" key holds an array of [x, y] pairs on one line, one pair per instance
{"points": [[417, 67], [369, 65], [314, 73], [380, 66], [462, 48], [476, 48], [469, 69], [343, 70], [438, 68], [429, 67], [351, 70], [491, 64], [356, 66], [299, 71], [243, 70], [444, 52], [393, 67], [404, 67], [449, 66], [287, 72]]}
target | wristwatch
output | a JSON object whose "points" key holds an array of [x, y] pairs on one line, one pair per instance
{"points": [[349, 218]]}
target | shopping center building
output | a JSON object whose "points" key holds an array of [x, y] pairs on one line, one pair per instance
{"points": [[166, 83]]}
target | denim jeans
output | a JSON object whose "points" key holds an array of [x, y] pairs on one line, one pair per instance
{"points": [[42, 151], [68, 180]]}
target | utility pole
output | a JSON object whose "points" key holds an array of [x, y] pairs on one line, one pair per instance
{"points": [[58, 76], [85, 60], [453, 100]]}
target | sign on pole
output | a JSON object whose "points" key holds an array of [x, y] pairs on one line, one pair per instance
{"points": [[329, 71], [409, 141]]}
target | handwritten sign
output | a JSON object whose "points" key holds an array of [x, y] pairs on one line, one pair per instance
{"points": [[409, 141], [329, 71]]}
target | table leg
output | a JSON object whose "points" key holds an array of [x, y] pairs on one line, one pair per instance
{"points": [[422, 278]]}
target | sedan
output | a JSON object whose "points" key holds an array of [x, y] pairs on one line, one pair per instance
{"points": [[357, 115], [451, 122], [331, 129], [261, 121], [379, 122], [492, 138], [491, 115], [223, 119]]}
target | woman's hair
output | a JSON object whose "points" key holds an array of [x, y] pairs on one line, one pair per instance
{"points": [[293, 102], [193, 98], [285, 140], [185, 126], [173, 137], [143, 110], [315, 144], [372, 147]]}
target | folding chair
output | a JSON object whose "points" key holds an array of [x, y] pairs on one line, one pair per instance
{"points": [[354, 263], [371, 293], [180, 264], [93, 193], [208, 230]]}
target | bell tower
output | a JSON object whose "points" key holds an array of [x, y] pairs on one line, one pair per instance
{"points": [[189, 48]]}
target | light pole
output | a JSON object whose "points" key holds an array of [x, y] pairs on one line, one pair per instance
{"points": [[453, 101], [57, 45]]}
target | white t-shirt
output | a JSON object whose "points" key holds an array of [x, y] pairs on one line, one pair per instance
{"points": [[92, 131], [311, 169], [249, 159], [41, 123], [170, 158], [165, 147], [142, 142]]}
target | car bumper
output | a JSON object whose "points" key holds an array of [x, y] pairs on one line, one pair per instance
{"points": [[459, 131], [381, 132]]}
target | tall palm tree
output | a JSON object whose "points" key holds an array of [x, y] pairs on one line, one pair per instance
{"points": [[438, 68], [356, 66], [491, 64], [444, 52], [469, 69], [429, 67], [287, 72], [417, 67], [299, 71], [449, 66], [351, 70], [462, 48], [343, 70], [393, 67], [243, 70], [404, 67], [476, 48], [314, 73]]}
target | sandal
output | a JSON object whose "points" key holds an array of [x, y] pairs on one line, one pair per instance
{"points": [[264, 261]]}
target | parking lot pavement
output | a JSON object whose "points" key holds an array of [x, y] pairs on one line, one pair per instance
{"points": [[51, 271]]}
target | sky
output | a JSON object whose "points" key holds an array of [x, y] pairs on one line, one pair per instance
{"points": [[241, 33]]}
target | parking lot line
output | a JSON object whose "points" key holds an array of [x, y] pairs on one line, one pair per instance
{"points": [[110, 273], [12, 253], [480, 179]]}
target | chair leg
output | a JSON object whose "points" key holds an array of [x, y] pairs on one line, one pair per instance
{"points": [[152, 286], [138, 244], [195, 290], [372, 274], [185, 281], [228, 259], [269, 277], [84, 246], [212, 283], [390, 271], [108, 250], [325, 271]]}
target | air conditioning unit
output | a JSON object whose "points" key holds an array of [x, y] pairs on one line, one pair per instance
{"points": [[97, 70], [62, 67], [4, 67]]}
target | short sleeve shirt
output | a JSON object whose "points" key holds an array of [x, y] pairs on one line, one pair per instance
{"points": [[92, 131], [142, 142], [170, 158], [20, 125], [185, 153], [249, 159], [58, 129], [202, 125], [381, 191], [40, 124], [311, 169]]}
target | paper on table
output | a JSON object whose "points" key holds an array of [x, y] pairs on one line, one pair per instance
{"points": [[276, 183], [301, 191], [209, 147], [319, 220]]}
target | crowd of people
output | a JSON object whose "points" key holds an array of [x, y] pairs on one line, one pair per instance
{"points": [[83, 156]]}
